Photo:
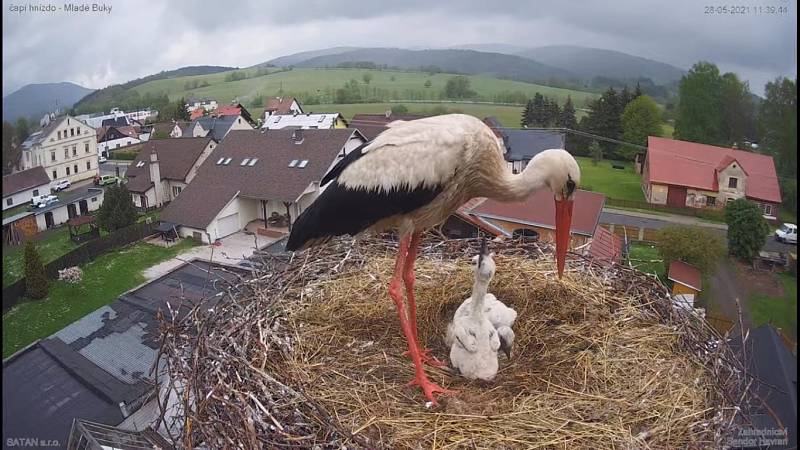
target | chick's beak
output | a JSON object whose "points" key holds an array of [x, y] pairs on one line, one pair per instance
{"points": [[563, 225]]}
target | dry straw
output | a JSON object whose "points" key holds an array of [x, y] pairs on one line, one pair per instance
{"points": [[309, 355]]}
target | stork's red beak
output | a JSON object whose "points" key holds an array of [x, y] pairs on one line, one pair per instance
{"points": [[563, 225]]}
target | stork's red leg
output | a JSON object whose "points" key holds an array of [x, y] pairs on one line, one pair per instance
{"points": [[395, 291], [408, 277]]}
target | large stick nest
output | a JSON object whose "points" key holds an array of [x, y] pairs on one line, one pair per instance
{"points": [[309, 355]]}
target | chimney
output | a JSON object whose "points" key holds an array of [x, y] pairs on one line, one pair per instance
{"points": [[297, 136], [155, 177]]}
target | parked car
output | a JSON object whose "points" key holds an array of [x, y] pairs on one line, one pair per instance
{"points": [[102, 159], [37, 199], [787, 233], [47, 201], [102, 180], [60, 185]]}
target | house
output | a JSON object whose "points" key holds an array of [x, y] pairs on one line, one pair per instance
{"points": [[687, 279], [214, 127], [117, 117], [535, 216], [371, 125], [197, 113], [321, 121], [282, 105], [20, 187], [163, 130], [60, 212], [521, 145], [97, 369], [115, 137], [686, 174], [164, 167], [254, 175], [207, 104], [236, 109], [65, 148], [605, 247]]}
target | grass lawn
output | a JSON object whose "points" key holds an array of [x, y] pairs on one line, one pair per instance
{"points": [[104, 279], [51, 244], [620, 184], [667, 130], [16, 210], [785, 216], [780, 311], [641, 255]]}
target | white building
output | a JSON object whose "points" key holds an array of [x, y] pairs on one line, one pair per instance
{"points": [[20, 187], [61, 211], [96, 120], [66, 148], [208, 104], [322, 121], [119, 137]]}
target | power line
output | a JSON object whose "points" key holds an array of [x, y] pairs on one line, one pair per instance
{"points": [[591, 135]]}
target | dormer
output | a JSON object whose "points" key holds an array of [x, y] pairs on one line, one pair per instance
{"points": [[731, 176]]}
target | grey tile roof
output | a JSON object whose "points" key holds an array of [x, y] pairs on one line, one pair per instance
{"points": [[522, 144]]}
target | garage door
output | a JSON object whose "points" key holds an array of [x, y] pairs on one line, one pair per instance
{"points": [[228, 225], [676, 196]]}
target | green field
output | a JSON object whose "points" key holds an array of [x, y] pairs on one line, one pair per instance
{"points": [[104, 279], [620, 184], [780, 312]]}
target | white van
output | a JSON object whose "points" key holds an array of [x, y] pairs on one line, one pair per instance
{"points": [[787, 233]]}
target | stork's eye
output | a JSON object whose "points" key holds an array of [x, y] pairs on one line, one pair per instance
{"points": [[570, 187]]}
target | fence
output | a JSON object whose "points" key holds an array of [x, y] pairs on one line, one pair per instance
{"points": [[81, 255], [710, 214]]}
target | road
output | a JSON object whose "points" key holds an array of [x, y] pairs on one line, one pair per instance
{"points": [[653, 221], [110, 168]]}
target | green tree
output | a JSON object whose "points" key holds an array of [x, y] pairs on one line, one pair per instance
{"points": [[11, 148], [391, 78], [604, 119], [693, 245], [117, 210], [738, 110], [428, 83], [458, 87], [596, 152], [777, 125], [566, 117], [399, 109], [747, 228], [640, 119], [180, 112], [23, 129], [527, 114], [700, 116], [36, 283], [367, 77]]}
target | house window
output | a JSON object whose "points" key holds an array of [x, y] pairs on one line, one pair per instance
{"points": [[72, 131], [176, 190], [59, 135], [66, 152], [303, 163], [94, 199], [245, 161], [733, 182], [35, 192], [74, 150], [88, 165], [9, 201], [76, 168], [293, 163], [55, 175], [86, 147], [117, 145], [53, 156], [252, 162], [67, 170], [711, 201]]}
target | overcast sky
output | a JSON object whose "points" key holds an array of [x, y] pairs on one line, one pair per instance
{"points": [[142, 37]]}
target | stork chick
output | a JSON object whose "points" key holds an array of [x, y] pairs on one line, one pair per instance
{"points": [[475, 341]]}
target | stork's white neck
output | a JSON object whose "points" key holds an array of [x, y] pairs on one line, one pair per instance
{"points": [[479, 289], [518, 187]]}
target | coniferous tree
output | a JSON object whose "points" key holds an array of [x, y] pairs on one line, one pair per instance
{"points": [[117, 210], [527, 114], [36, 283], [538, 115]]}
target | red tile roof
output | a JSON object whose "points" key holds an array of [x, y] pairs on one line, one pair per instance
{"points": [[695, 165], [540, 210], [196, 114], [280, 105], [229, 111], [606, 246], [685, 274]]}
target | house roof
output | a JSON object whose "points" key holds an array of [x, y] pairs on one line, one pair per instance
{"points": [[306, 121], [229, 110], [695, 165], [606, 246], [25, 179], [494, 124], [175, 158], [37, 136], [522, 144], [119, 121], [371, 125], [216, 126], [270, 178], [166, 127], [539, 210], [86, 369], [685, 274], [196, 114], [280, 105]]}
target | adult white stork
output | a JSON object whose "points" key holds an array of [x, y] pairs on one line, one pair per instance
{"points": [[412, 177]]}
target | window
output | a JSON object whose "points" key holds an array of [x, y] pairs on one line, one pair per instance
{"points": [[765, 208], [53, 156], [59, 135], [117, 145], [9, 201], [86, 147], [72, 131], [140, 164], [227, 161], [94, 199], [303, 163], [733, 182], [245, 161], [293, 163], [74, 150], [221, 160], [76, 168], [55, 175], [88, 165], [176, 190], [321, 118], [711, 201], [252, 162], [66, 152], [35, 192], [67, 170]]}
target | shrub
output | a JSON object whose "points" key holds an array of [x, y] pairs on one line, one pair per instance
{"points": [[693, 245], [747, 228], [36, 283]]}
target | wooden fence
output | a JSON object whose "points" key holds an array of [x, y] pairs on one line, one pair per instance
{"points": [[710, 214], [81, 255]]}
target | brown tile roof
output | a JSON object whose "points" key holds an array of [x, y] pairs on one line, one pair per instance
{"points": [[371, 125], [26, 179], [280, 105], [175, 158], [540, 210], [270, 178], [606, 246], [166, 127], [685, 274]]}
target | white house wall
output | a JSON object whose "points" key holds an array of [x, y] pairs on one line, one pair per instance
{"points": [[115, 144], [61, 213], [25, 196], [49, 153]]}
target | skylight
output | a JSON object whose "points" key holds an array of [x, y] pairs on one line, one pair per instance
{"points": [[321, 118], [140, 164], [303, 163], [252, 162], [293, 163], [220, 161], [227, 161], [245, 161]]}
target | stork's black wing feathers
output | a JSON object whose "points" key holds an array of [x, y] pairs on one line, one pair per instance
{"points": [[350, 158], [340, 210]]}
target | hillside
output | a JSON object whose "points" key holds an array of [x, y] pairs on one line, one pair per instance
{"points": [[295, 58], [34, 100], [589, 63], [470, 62]]}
